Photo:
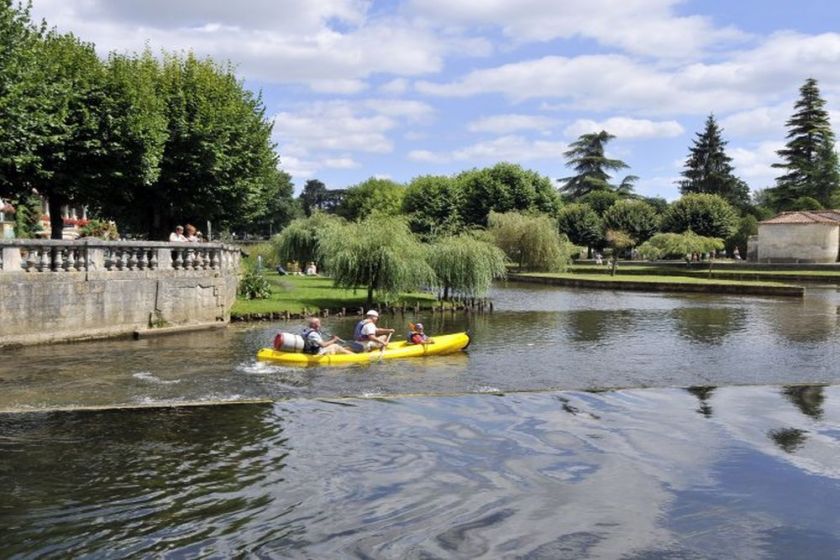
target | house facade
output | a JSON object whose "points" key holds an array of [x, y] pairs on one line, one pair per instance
{"points": [[800, 237]]}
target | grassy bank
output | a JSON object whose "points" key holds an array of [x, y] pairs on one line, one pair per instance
{"points": [[641, 282], [743, 273], [293, 294]]}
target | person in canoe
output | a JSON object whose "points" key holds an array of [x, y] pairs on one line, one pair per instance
{"points": [[369, 334], [314, 343], [417, 336]]}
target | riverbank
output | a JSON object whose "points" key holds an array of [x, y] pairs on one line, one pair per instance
{"points": [[656, 283], [720, 271], [293, 297]]}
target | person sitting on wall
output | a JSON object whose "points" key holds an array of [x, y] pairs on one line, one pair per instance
{"points": [[314, 343], [177, 235], [192, 234], [369, 334]]}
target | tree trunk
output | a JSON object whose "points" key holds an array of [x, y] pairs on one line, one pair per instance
{"points": [[370, 297], [614, 264], [56, 221], [445, 293]]}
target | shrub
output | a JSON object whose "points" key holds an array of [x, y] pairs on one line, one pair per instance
{"points": [[254, 285]]}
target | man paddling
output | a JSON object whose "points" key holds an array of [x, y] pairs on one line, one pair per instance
{"points": [[369, 335], [314, 342]]}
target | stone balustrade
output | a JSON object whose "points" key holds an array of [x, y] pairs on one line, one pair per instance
{"points": [[39, 256], [64, 290]]}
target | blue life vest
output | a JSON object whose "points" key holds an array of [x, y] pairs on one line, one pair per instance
{"points": [[308, 346], [357, 332]]}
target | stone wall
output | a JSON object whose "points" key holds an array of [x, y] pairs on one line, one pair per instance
{"points": [[798, 243], [65, 290]]}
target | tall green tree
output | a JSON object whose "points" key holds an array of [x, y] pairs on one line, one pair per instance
{"points": [[505, 187], [25, 101], [581, 225], [708, 169], [386, 264], [312, 196], [381, 196], [466, 264], [707, 215], [530, 240], [432, 204], [636, 218], [587, 158], [808, 159]]}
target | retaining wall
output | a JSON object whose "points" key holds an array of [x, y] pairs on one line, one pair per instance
{"points": [[66, 290]]}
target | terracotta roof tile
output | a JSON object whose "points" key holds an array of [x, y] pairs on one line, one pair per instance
{"points": [[806, 217]]}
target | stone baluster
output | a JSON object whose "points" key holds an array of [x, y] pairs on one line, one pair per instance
{"points": [[178, 259], [189, 259], [199, 259], [122, 259], [131, 258], [44, 259], [154, 259], [79, 259], [65, 259], [213, 257], [143, 259]]}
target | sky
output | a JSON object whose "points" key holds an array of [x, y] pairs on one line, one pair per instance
{"points": [[398, 89]]}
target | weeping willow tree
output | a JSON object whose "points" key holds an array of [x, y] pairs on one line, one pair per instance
{"points": [[530, 240], [379, 254], [681, 244], [301, 240], [466, 264]]}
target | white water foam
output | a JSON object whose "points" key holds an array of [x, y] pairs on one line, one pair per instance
{"points": [[258, 368], [151, 378]]}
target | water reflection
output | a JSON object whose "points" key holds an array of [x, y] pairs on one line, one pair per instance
{"points": [[709, 325], [788, 439], [703, 394], [812, 320], [808, 399]]}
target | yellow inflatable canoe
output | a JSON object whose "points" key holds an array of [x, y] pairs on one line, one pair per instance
{"points": [[445, 344]]}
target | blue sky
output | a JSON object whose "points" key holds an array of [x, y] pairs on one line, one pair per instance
{"points": [[400, 89]]}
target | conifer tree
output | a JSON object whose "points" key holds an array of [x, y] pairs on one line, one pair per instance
{"points": [[708, 169], [586, 156], [808, 159]]}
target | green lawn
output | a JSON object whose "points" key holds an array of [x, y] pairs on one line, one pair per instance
{"points": [[293, 293]]}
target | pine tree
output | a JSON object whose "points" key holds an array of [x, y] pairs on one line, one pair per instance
{"points": [[808, 158], [586, 157], [708, 169]]}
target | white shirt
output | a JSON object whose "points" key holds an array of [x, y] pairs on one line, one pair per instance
{"points": [[368, 329], [175, 236], [315, 339]]}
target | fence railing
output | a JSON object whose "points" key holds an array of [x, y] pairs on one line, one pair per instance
{"points": [[87, 255]]}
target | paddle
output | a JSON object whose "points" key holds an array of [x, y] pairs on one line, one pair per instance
{"points": [[382, 350]]}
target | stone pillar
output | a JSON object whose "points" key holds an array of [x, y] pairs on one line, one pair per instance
{"points": [[11, 259], [164, 258], [95, 259]]}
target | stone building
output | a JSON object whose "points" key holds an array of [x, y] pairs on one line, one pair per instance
{"points": [[811, 236]]}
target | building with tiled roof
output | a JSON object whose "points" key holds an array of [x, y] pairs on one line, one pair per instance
{"points": [[800, 236]]}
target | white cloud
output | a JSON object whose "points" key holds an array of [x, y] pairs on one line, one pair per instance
{"points": [[664, 186], [626, 128], [412, 110], [602, 82], [341, 163], [646, 27], [334, 126], [396, 86], [503, 124], [331, 45], [505, 148]]}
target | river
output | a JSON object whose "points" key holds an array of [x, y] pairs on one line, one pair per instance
{"points": [[579, 424]]}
